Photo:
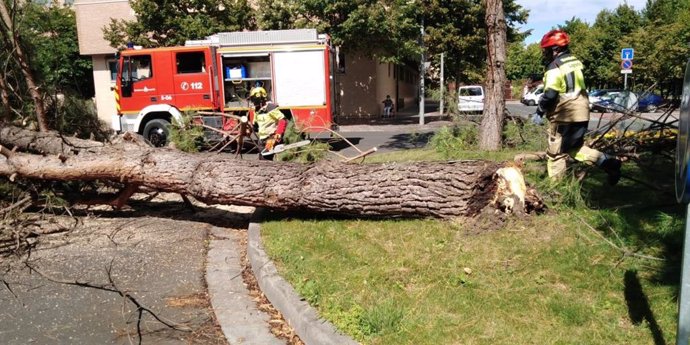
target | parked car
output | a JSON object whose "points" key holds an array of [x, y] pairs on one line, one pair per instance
{"points": [[615, 100], [598, 95], [532, 97], [649, 103], [471, 98]]}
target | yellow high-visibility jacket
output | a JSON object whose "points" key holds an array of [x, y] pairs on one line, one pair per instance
{"points": [[268, 122], [565, 96]]}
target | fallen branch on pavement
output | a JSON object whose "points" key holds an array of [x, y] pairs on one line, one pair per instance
{"points": [[112, 287]]}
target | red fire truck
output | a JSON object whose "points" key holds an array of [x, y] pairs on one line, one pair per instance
{"points": [[295, 67]]}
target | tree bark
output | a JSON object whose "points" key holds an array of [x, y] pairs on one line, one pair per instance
{"points": [[45, 142], [494, 104], [4, 99], [10, 35], [423, 189]]}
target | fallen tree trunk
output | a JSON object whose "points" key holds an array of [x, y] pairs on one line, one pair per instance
{"points": [[45, 142], [422, 189]]}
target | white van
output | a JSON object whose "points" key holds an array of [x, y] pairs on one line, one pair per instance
{"points": [[532, 97], [471, 98]]}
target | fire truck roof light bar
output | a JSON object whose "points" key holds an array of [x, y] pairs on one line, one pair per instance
{"points": [[268, 37], [244, 55]]}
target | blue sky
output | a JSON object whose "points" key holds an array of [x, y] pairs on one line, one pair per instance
{"points": [[545, 14]]}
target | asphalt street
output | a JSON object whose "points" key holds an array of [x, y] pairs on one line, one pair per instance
{"points": [[157, 255], [404, 132]]}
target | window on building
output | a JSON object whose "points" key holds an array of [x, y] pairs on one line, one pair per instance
{"points": [[112, 67], [190, 62]]}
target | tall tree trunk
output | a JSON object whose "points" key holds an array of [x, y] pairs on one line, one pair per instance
{"points": [[494, 104], [423, 189], [11, 36], [4, 99]]}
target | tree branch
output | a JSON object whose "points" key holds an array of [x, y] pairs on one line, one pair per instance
{"points": [[112, 287]]}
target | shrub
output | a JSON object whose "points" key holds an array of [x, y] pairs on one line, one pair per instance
{"points": [[185, 135], [453, 138], [524, 135], [77, 117], [305, 154]]}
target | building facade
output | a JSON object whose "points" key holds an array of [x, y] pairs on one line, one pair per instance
{"points": [[92, 17]]}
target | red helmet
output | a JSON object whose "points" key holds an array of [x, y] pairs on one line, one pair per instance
{"points": [[555, 38]]}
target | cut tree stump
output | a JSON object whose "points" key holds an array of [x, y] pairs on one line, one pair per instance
{"points": [[420, 189]]}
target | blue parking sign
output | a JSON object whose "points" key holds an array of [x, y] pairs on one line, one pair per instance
{"points": [[627, 54]]}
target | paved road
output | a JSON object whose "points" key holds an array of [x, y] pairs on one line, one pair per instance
{"points": [[596, 119], [157, 254], [404, 132]]}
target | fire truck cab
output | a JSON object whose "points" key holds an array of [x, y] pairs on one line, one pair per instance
{"points": [[215, 75]]}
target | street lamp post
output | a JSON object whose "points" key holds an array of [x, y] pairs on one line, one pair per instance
{"points": [[422, 69], [440, 106]]}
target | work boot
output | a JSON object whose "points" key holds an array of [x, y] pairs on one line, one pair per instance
{"points": [[612, 167]]}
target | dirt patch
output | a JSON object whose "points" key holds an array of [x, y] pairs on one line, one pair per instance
{"points": [[194, 300]]}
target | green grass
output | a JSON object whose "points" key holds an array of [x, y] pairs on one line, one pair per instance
{"points": [[428, 154], [537, 281], [548, 279]]}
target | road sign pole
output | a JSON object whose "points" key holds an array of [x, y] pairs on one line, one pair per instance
{"points": [[625, 81]]}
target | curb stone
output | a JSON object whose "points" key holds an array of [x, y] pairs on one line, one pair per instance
{"points": [[297, 312], [240, 320]]}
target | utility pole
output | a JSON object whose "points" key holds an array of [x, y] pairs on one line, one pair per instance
{"points": [[422, 69], [440, 106]]}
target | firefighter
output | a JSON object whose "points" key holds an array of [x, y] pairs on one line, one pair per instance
{"points": [[269, 125], [566, 106], [258, 95]]}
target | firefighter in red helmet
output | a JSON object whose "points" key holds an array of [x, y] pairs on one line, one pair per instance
{"points": [[566, 105]]}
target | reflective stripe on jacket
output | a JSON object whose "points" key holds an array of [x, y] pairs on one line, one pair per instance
{"points": [[565, 96], [268, 122]]}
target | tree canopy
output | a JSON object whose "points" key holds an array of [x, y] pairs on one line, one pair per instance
{"points": [[169, 23], [40, 54], [388, 30]]}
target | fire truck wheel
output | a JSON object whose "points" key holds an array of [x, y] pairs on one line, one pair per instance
{"points": [[156, 132]]}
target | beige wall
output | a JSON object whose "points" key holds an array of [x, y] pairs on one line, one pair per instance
{"points": [[408, 90], [92, 16], [365, 84], [358, 88], [385, 73], [105, 99]]}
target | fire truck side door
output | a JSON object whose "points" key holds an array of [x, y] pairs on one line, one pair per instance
{"points": [[192, 79], [138, 83]]}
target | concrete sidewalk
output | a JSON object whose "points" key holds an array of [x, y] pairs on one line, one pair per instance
{"points": [[237, 312]]}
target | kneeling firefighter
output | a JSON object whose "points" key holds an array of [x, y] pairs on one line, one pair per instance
{"points": [[269, 124], [566, 105]]}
